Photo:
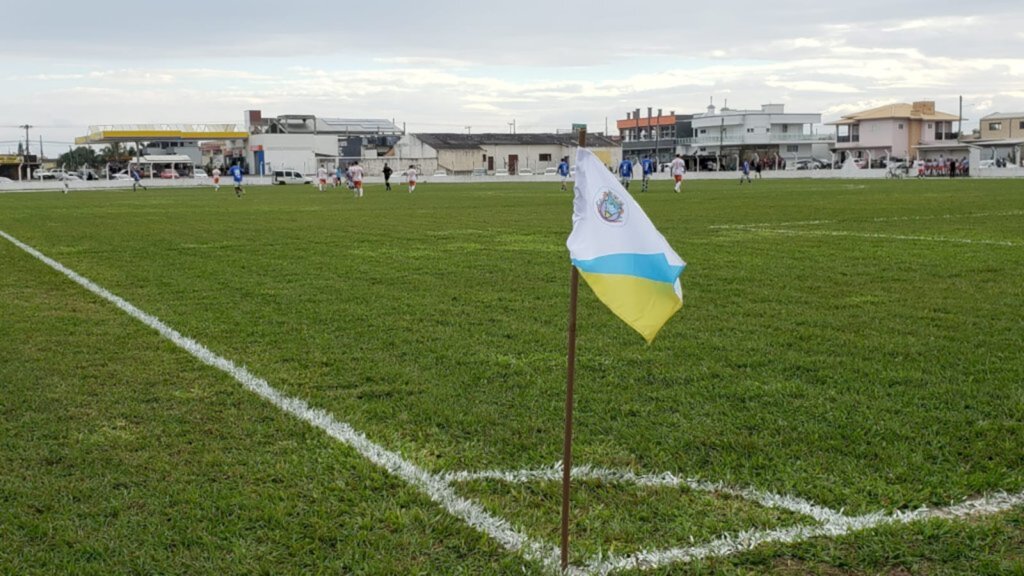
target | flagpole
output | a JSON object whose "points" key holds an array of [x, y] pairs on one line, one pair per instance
{"points": [[570, 380]]}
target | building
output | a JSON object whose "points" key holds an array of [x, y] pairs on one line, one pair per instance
{"points": [[180, 142], [905, 131], [305, 141], [497, 153], [18, 166], [726, 137], [653, 136], [999, 126], [1000, 139]]}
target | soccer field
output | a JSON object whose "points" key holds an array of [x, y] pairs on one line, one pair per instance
{"points": [[299, 382]]}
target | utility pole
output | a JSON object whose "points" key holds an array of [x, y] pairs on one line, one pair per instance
{"points": [[26, 127]]}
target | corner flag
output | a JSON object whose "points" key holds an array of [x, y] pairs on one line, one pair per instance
{"points": [[618, 251]]}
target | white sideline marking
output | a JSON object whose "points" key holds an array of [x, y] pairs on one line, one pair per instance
{"points": [[886, 236], [666, 479], [883, 219], [433, 486]]}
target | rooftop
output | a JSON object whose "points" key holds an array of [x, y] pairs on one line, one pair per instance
{"points": [[454, 141], [917, 111]]}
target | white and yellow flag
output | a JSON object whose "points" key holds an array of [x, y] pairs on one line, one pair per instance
{"points": [[618, 251]]}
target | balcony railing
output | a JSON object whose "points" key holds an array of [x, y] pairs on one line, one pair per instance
{"points": [[847, 139], [754, 139]]}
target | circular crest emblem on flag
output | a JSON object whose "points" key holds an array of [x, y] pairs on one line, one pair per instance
{"points": [[610, 207]]}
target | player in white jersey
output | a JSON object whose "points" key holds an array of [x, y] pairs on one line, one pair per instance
{"points": [[216, 179], [410, 175], [356, 171], [321, 178], [678, 168]]}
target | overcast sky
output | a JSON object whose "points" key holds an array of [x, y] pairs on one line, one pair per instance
{"points": [[445, 65]]}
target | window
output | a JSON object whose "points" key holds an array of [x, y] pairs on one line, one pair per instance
{"points": [[750, 130], [1021, 126], [544, 158], [930, 126], [792, 148], [995, 125], [703, 131], [899, 126], [485, 157]]}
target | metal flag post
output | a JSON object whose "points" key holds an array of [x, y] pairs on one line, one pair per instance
{"points": [[574, 282]]}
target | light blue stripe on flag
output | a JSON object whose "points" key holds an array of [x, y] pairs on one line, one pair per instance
{"points": [[650, 266]]}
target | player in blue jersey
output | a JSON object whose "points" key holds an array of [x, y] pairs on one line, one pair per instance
{"points": [[647, 168], [563, 171], [236, 175], [625, 172]]}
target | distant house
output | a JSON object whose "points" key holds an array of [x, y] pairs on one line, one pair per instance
{"points": [[906, 131], [499, 153], [1001, 138], [999, 126]]}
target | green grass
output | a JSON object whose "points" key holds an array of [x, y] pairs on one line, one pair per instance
{"points": [[860, 371]]}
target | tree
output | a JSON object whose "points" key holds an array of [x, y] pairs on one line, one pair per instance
{"points": [[80, 157]]}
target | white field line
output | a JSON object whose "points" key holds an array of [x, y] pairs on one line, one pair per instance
{"points": [[728, 545], [886, 236], [666, 479], [439, 490], [884, 219]]}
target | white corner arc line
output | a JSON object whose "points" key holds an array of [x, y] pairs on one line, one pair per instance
{"points": [[665, 479], [733, 544], [439, 490]]}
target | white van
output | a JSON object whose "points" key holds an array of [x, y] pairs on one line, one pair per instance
{"points": [[290, 177]]}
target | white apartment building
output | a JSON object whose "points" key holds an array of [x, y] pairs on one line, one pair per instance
{"points": [[728, 136]]}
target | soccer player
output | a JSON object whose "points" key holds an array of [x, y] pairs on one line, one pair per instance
{"points": [[563, 171], [387, 177], [216, 179], [357, 179], [646, 169], [236, 175], [321, 178], [136, 180], [746, 172], [410, 175], [678, 168], [625, 172]]}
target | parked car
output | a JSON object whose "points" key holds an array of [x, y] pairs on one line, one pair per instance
{"points": [[550, 171], [199, 173], [987, 164], [290, 177], [43, 174], [169, 174], [122, 175], [5, 180], [526, 172]]}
